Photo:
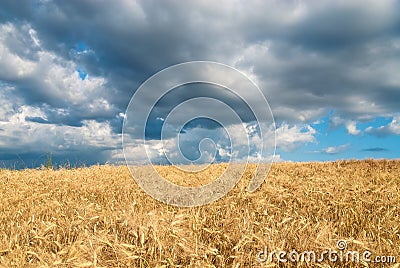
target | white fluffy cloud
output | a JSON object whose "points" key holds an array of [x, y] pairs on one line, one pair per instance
{"points": [[350, 125], [335, 149], [291, 137], [18, 133], [393, 128]]}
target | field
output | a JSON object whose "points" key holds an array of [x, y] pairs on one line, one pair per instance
{"points": [[99, 217]]}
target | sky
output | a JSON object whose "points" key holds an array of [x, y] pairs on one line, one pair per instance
{"points": [[329, 70]]}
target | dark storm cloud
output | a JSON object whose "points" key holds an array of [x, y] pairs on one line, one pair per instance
{"points": [[318, 51], [196, 90], [126, 43], [338, 26], [337, 54]]}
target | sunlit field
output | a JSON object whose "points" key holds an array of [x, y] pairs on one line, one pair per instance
{"points": [[99, 217]]}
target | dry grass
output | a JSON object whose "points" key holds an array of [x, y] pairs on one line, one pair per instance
{"points": [[98, 217]]}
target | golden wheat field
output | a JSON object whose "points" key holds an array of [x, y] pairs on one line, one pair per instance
{"points": [[99, 217]]}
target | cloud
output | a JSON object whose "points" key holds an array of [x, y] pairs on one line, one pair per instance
{"points": [[41, 78], [46, 106], [89, 143], [393, 128], [293, 48], [335, 149], [289, 137], [72, 65], [375, 149], [233, 143], [350, 125]]}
